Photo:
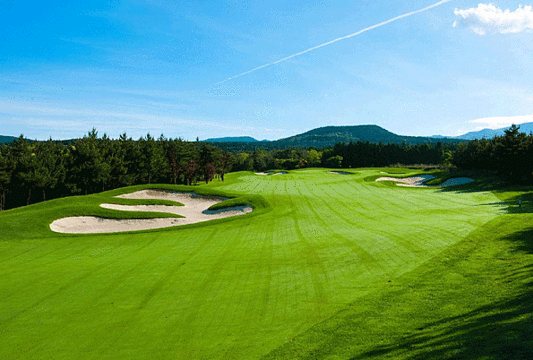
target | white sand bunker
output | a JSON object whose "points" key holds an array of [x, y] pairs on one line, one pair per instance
{"points": [[271, 173], [409, 181], [341, 172], [195, 210], [418, 181]]}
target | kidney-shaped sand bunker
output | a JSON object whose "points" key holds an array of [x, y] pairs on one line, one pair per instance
{"points": [[195, 210]]}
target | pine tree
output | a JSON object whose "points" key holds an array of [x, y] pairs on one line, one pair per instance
{"points": [[50, 166], [226, 162], [88, 170], [209, 158], [6, 168]]}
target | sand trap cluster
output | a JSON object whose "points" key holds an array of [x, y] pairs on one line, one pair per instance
{"points": [[418, 181], [271, 173], [341, 172], [195, 210]]}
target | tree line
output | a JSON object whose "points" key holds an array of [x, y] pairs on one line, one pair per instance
{"points": [[32, 171], [341, 155], [510, 155]]}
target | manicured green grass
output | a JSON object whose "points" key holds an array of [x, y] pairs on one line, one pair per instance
{"points": [[327, 266], [472, 302]]}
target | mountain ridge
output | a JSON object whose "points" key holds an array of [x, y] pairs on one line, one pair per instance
{"points": [[490, 133], [330, 135], [326, 136]]}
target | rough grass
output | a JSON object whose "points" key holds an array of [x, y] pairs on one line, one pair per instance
{"points": [[325, 267]]}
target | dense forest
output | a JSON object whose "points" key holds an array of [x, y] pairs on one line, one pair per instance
{"points": [[32, 171], [510, 155], [39, 170]]}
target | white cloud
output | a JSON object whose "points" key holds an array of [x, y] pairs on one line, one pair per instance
{"points": [[498, 122], [487, 18]]}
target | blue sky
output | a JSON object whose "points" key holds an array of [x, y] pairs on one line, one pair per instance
{"points": [[156, 66]]}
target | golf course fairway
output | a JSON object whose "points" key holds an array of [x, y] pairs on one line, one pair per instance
{"points": [[327, 266]]}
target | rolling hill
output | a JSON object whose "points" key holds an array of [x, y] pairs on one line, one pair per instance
{"points": [[329, 135], [490, 133]]}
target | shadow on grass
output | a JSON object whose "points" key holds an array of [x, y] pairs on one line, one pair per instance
{"points": [[515, 199], [522, 204], [502, 330]]}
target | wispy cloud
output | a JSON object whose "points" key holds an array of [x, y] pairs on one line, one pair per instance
{"points": [[498, 122], [339, 39], [487, 18]]}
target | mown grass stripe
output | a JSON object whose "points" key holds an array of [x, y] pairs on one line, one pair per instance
{"points": [[71, 283], [370, 263], [448, 315]]}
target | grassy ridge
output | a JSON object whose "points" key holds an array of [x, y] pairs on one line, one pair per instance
{"points": [[311, 264]]}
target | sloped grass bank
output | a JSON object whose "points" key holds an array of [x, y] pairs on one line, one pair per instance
{"points": [[471, 302]]}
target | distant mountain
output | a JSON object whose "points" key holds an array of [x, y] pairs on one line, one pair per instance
{"points": [[321, 137], [490, 133], [236, 139], [6, 139], [440, 137], [329, 135]]}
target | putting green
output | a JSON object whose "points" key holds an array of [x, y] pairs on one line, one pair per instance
{"points": [[237, 288]]}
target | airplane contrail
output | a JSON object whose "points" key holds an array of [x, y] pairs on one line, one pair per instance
{"points": [[339, 39]]}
